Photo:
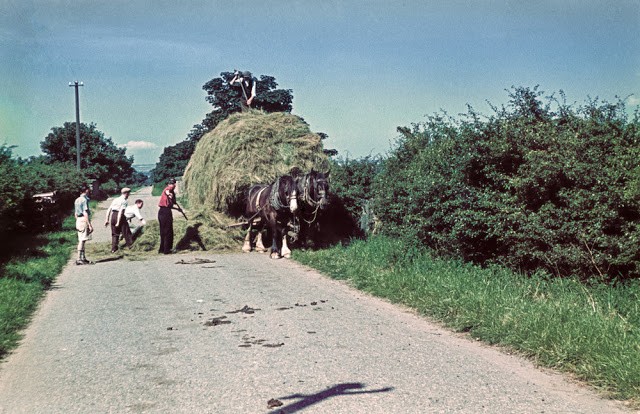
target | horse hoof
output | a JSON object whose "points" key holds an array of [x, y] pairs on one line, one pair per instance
{"points": [[275, 256], [287, 256]]}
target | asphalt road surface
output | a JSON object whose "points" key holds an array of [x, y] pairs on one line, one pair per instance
{"points": [[241, 333]]}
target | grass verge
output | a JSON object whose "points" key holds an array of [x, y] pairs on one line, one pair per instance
{"points": [[157, 188], [30, 266], [591, 332]]}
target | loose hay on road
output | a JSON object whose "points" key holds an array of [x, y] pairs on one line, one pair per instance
{"points": [[205, 231]]}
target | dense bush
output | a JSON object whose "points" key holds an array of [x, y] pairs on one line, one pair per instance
{"points": [[14, 199], [21, 179], [351, 190], [536, 185]]}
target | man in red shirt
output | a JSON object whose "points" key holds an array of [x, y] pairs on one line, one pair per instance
{"points": [[165, 217]]}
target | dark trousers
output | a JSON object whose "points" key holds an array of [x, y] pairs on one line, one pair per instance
{"points": [[165, 219], [126, 233], [116, 230]]}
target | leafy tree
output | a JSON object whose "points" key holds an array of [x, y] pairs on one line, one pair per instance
{"points": [[99, 156], [225, 100], [173, 160]]}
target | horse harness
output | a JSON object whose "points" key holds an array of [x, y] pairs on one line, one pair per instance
{"points": [[274, 198]]}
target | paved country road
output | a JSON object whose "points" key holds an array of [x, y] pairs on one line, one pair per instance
{"points": [[240, 333]]}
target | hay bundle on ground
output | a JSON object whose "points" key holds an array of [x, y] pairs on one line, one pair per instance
{"points": [[248, 148], [205, 230]]}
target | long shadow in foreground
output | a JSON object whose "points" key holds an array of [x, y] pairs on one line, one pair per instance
{"points": [[306, 400]]}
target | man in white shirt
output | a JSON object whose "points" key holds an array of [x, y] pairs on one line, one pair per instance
{"points": [[131, 228], [115, 217]]}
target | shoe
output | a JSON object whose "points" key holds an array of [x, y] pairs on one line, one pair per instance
{"points": [[85, 261], [79, 262]]}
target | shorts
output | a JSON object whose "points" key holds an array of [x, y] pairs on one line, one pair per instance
{"points": [[83, 230]]}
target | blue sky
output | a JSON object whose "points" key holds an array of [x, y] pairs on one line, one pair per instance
{"points": [[358, 69]]}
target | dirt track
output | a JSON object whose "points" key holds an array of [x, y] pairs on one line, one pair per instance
{"points": [[240, 333]]}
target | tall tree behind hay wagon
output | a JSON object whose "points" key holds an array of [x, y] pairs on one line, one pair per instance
{"points": [[245, 149], [225, 100]]}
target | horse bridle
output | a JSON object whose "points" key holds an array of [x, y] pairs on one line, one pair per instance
{"points": [[306, 197]]}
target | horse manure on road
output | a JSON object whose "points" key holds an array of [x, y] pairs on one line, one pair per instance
{"points": [[245, 309], [220, 320], [273, 403]]}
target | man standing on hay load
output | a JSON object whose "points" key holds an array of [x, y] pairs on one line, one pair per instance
{"points": [[165, 217], [248, 85]]}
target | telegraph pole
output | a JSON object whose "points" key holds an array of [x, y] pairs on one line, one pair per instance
{"points": [[75, 85]]}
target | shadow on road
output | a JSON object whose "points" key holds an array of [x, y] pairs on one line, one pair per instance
{"points": [[307, 400], [192, 234], [108, 259]]}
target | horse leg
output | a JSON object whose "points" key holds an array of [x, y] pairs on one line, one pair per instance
{"points": [[286, 252], [275, 241], [246, 247], [259, 244]]}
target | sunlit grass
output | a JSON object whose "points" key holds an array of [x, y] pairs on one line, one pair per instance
{"points": [[592, 332], [23, 278]]}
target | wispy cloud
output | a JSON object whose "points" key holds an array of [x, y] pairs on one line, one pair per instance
{"points": [[138, 145]]}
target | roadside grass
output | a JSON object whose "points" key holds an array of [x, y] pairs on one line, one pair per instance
{"points": [[157, 188], [591, 332], [27, 268]]}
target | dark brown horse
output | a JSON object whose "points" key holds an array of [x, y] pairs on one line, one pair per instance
{"points": [[313, 193], [274, 206]]}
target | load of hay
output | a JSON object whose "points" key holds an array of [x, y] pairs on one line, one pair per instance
{"points": [[248, 148]]}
